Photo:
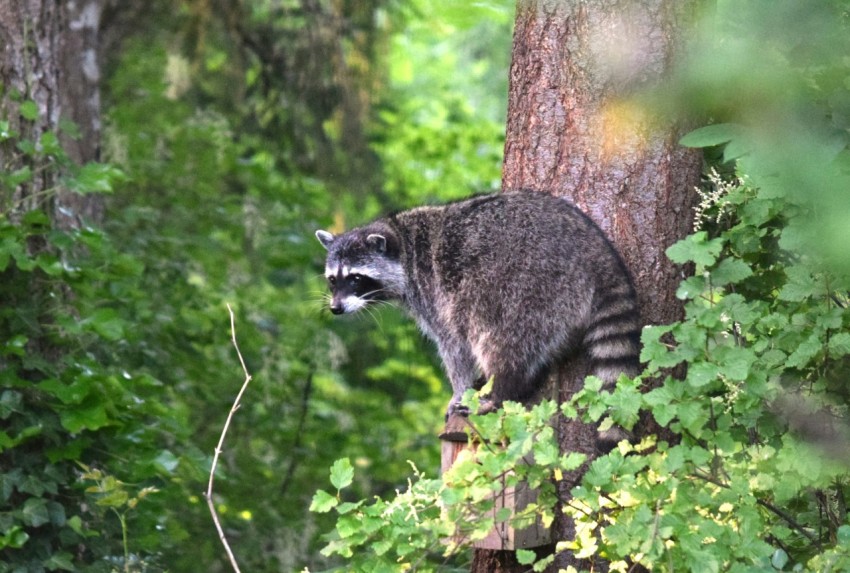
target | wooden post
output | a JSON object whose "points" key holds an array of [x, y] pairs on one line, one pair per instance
{"points": [[504, 536]]}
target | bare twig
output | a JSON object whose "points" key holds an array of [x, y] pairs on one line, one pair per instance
{"points": [[296, 443], [209, 493]]}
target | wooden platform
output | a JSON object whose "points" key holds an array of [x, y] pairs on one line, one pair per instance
{"points": [[454, 439]]}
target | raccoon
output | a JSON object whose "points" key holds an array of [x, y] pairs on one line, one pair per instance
{"points": [[507, 285]]}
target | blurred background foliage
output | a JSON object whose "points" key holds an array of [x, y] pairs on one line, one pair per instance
{"points": [[234, 130], [242, 127], [239, 128]]}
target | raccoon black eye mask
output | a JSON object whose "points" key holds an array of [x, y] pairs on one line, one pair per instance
{"points": [[506, 285]]}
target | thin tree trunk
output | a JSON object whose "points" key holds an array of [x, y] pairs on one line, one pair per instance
{"points": [[575, 130], [79, 84]]}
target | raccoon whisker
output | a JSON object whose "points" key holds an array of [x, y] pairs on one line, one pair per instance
{"points": [[319, 297], [373, 292], [376, 316]]}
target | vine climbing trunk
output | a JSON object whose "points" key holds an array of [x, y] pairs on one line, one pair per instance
{"points": [[49, 75], [575, 129]]}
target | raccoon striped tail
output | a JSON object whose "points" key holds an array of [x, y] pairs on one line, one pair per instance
{"points": [[612, 340], [612, 343]]}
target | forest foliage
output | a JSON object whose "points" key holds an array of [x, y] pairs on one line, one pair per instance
{"points": [[233, 131]]}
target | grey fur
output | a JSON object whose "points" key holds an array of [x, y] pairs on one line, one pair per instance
{"points": [[506, 285]]}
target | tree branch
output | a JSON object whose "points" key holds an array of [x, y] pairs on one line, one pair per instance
{"points": [[218, 448]]}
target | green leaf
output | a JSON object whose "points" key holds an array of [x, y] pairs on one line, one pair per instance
{"points": [[839, 344], [735, 361], [167, 461], [15, 538], [115, 498], [696, 248], [348, 507], [34, 512], [730, 271], [807, 350], [73, 393], [10, 402], [843, 535], [5, 131], [29, 110], [348, 525], [801, 284], [702, 373], [91, 416], [525, 556], [691, 288], [323, 502], [18, 176], [106, 323], [60, 562], [342, 473], [96, 178], [711, 135], [50, 144], [779, 559]]}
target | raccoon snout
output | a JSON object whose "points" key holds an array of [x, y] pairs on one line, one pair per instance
{"points": [[337, 307]]}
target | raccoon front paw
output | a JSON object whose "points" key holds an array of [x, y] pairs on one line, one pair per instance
{"points": [[456, 409], [485, 406]]}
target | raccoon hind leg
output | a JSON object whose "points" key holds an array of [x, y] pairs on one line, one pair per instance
{"points": [[513, 381], [462, 371]]}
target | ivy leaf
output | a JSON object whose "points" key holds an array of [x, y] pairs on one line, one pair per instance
{"points": [[15, 538], [29, 110], [60, 562], [34, 512], [342, 473], [91, 416], [73, 393], [96, 178], [106, 323]]}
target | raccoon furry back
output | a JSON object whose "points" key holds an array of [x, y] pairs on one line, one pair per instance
{"points": [[507, 285]]}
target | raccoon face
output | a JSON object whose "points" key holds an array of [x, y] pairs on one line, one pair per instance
{"points": [[361, 268]]}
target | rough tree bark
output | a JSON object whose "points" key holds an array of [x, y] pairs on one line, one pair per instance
{"points": [[49, 57], [574, 130]]}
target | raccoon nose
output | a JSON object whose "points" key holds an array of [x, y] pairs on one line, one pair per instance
{"points": [[337, 308]]}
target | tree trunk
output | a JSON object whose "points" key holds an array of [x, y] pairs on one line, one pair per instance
{"points": [[49, 59], [574, 130]]}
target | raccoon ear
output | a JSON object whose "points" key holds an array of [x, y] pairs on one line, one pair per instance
{"points": [[325, 238], [378, 242]]}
